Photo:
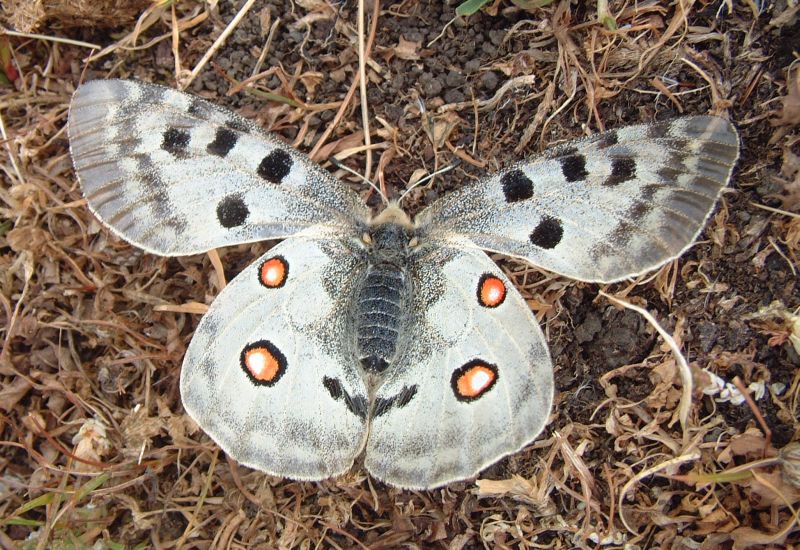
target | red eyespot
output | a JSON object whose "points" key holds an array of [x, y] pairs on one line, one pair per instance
{"points": [[263, 362], [473, 380], [273, 272], [491, 290]]}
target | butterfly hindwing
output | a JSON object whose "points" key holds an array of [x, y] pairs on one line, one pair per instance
{"points": [[176, 175], [602, 208], [474, 382], [268, 375]]}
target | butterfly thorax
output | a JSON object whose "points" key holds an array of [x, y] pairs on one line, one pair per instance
{"points": [[382, 295]]}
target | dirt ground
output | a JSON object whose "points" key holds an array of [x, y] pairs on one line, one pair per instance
{"points": [[96, 448]]}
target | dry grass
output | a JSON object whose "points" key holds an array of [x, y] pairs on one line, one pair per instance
{"points": [[96, 448]]}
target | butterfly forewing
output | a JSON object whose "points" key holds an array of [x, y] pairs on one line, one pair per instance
{"points": [[602, 208], [176, 175]]}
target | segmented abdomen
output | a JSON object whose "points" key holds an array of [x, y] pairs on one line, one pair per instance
{"points": [[379, 315]]}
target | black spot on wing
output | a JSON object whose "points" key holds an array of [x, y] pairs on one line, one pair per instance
{"points": [[175, 141], [232, 211], [622, 169], [548, 233], [224, 140], [356, 405], [275, 166], [607, 139], [574, 167], [334, 387], [198, 109], [384, 405], [516, 186]]}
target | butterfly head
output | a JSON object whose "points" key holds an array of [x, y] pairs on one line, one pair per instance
{"points": [[391, 231]]}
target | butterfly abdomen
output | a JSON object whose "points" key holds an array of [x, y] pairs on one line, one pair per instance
{"points": [[379, 316], [382, 298]]}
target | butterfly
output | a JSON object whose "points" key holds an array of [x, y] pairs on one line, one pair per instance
{"points": [[375, 336]]}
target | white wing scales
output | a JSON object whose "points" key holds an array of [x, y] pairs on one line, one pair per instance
{"points": [[176, 175], [599, 209], [293, 425], [437, 435]]}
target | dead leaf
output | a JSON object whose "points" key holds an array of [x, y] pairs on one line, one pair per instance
{"points": [[311, 79], [750, 444], [440, 127], [27, 238], [138, 430], [92, 445], [789, 457], [406, 49], [777, 322], [518, 488], [790, 114], [788, 179], [11, 393], [745, 537], [773, 490], [191, 307], [717, 520]]}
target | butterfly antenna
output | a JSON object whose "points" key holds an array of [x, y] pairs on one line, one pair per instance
{"points": [[346, 168], [428, 178]]}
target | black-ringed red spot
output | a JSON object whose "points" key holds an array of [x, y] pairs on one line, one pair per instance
{"points": [[491, 290], [263, 363], [273, 272], [473, 380]]}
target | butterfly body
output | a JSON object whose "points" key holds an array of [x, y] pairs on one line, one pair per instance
{"points": [[377, 337], [383, 295]]}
